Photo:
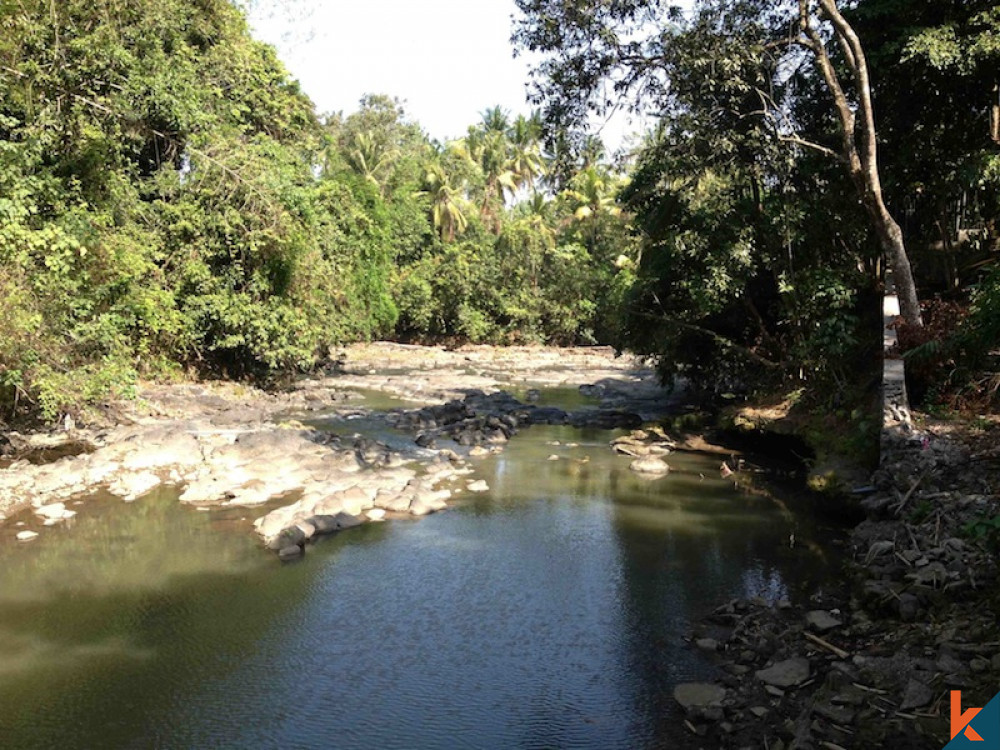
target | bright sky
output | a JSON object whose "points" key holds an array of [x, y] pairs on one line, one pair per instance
{"points": [[448, 60]]}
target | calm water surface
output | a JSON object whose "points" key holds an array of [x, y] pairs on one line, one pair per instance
{"points": [[547, 613]]}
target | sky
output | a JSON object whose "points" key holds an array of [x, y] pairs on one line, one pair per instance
{"points": [[448, 60]]}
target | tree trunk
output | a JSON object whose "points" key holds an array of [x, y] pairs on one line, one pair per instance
{"points": [[859, 144], [995, 115], [891, 238]]}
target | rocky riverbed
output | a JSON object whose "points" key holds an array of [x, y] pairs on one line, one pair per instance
{"points": [[226, 444]]}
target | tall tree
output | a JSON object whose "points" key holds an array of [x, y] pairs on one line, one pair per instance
{"points": [[859, 142], [605, 55]]}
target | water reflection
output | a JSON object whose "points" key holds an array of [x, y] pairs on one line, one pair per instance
{"points": [[547, 613]]}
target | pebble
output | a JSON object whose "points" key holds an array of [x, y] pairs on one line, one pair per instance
{"points": [[26, 536]]}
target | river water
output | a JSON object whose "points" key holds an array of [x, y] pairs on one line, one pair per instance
{"points": [[546, 613]]}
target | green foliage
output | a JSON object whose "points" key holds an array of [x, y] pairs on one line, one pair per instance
{"points": [[161, 204], [985, 530]]}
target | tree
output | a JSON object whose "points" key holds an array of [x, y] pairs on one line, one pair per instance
{"points": [[601, 56], [859, 143], [448, 204], [526, 161]]}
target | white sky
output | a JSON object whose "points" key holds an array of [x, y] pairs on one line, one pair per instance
{"points": [[448, 60]]}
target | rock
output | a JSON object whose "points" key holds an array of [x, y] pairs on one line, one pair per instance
{"points": [[307, 528], [328, 524], [398, 502], [478, 451], [288, 537], [785, 674], [26, 536], [429, 502], [696, 695], [707, 644], [553, 457], [650, 466], [917, 694], [478, 486], [375, 514], [758, 711], [836, 714], [54, 513], [774, 692], [821, 621], [131, 486], [909, 607], [290, 552]]}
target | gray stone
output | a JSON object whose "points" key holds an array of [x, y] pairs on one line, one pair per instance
{"points": [[917, 694], [785, 674], [696, 695], [836, 714], [758, 711], [821, 621], [290, 552], [292, 536], [909, 607], [324, 524], [707, 644]]}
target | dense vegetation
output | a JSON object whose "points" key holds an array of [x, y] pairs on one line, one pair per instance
{"points": [[170, 201], [798, 145]]}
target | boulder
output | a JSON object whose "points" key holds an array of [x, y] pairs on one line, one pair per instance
{"points": [[290, 536], [290, 552]]}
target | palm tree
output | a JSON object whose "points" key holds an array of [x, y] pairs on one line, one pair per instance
{"points": [[370, 157], [526, 160], [591, 192], [447, 203]]}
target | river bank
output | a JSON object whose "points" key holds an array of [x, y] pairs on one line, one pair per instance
{"points": [[870, 660]]}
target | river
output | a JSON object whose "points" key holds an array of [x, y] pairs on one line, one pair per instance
{"points": [[548, 612]]}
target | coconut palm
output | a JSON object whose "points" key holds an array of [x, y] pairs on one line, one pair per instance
{"points": [[448, 204], [526, 160], [371, 158]]}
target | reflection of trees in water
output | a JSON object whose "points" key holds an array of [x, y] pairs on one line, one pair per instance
{"points": [[674, 575]]}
